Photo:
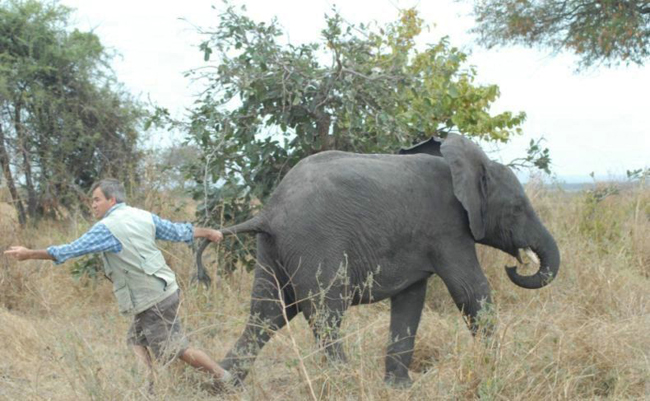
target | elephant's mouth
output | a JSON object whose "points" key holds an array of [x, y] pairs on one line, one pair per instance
{"points": [[546, 260], [532, 256]]}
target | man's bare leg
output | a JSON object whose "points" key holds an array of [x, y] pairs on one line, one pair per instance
{"points": [[200, 360], [145, 359]]}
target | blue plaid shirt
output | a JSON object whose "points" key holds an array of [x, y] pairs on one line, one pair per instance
{"points": [[99, 238]]}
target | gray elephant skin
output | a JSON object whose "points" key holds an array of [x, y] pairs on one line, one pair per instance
{"points": [[345, 229]]}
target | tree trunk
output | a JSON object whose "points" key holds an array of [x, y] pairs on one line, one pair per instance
{"points": [[32, 201], [4, 164], [323, 125], [48, 203]]}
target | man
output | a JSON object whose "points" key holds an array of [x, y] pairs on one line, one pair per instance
{"points": [[145, 287]]}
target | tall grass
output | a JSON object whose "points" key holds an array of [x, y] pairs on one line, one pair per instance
{"points": [[586, 336]]}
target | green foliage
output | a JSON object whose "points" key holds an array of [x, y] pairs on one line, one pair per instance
{"points": [[364, 88], [598, 31], [64, 121], [641, 174], [87, 267], [599, 221], [536, 156]]}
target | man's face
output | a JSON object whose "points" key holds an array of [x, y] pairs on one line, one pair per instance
{"points": [[101, 205]]}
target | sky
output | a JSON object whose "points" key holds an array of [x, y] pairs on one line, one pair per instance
{"points": [[595, 121]]}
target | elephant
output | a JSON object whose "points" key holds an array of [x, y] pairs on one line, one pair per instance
{"points": [[345, 229]]}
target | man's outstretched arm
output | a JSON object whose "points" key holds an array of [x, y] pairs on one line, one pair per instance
{"points": [[97, 239], [22, 253]]}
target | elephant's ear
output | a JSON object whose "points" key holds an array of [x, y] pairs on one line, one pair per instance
{"points": [[431, 147], [468, 166]]}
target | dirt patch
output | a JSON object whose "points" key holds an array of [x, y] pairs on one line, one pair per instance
{"points": [[7, 212], [8, 225]]}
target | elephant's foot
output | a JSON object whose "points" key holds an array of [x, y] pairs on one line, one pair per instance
{"points": [[398, 382]]}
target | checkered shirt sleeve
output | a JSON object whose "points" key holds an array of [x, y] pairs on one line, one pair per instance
{"points": [[176, 232], [97, 239]]}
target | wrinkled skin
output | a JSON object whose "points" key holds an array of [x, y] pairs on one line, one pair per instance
{"points": [[344, 229]]}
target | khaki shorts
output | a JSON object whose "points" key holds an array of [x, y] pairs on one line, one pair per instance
{"points": [[159, 328]]}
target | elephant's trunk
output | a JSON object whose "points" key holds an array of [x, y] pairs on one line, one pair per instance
{"points": [[549, 258]]}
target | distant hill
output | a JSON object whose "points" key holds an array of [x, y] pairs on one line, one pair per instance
{"points": [[574, 186], [588, 185]]}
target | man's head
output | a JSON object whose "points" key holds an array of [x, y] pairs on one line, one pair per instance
{"points": [[105, 194]]}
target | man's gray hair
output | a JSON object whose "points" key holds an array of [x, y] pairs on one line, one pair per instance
{"points": [[111, 188]]}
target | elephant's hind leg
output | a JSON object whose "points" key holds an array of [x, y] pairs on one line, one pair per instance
{"points": [[325, 320], [405, 313], [271, 309]]}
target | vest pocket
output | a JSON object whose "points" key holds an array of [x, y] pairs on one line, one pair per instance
{"points": [[153, 263], [156, 266], [123, 295]]}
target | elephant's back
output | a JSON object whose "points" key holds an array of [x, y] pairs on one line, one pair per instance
{"points": [[338, 185], [337, 166]]}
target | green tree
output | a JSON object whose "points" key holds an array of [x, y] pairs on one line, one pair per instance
{"points": [[364, 88], [64, 121], [608, 32]]}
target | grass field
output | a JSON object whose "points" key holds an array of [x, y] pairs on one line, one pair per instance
{"points": [[586, 336]]}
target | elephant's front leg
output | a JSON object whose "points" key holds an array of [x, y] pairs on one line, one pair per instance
{"points": [[266, 317], [468, 286], [405, 313]]}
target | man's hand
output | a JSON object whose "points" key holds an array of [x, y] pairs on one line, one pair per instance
{"points": [[208, 233], [18, 252], [214, 235]]}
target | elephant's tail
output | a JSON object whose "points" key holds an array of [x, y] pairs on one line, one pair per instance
{"points": [[254, 225]]}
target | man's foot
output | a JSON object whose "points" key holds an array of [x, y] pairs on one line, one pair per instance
{"points": [[216, 387], [223, 385]]}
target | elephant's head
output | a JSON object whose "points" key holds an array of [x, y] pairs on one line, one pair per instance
{"points": [[500, 214]]}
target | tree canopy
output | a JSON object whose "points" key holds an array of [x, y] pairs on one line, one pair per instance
{"points": [[608, 32], [363, 88], [64, 120]]}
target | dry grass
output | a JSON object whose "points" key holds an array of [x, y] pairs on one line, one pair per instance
{"points": [[586, 336]]}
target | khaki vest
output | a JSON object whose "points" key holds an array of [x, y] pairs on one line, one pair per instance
{"points": [[140, 276]]}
